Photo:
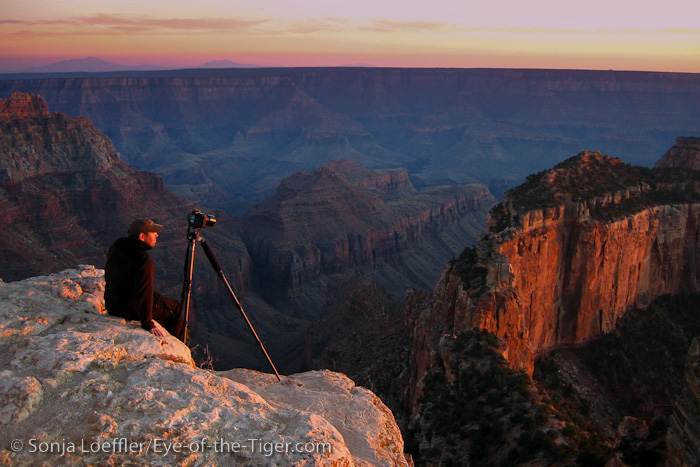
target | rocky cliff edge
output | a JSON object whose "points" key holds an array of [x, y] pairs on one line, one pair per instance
{"points": [[80, 387], [566, 255]]}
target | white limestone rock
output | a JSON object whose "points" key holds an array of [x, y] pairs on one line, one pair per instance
{"points": [[79, 387], [367, 425]]}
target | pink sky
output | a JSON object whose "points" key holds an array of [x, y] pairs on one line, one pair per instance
{"points": [[595, 34]]}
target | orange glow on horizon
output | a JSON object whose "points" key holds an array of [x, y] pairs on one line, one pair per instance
{"points": [[384, 33]]}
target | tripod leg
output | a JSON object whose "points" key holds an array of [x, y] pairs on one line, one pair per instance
{"points": [[217, 267], [187, 287]]}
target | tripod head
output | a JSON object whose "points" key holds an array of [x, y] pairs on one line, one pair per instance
{"points": [[192, 234], [197, 219]]}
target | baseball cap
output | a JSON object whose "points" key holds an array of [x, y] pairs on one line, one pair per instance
{"points": [[140, 226]]}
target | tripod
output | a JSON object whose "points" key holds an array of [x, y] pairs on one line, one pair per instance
{"points": [[192, 238]]}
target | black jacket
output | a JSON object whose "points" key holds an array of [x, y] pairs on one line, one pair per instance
{"points": [[129, 274]]}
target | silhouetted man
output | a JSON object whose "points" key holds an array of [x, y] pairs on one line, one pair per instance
{"points": [[129, 274]]}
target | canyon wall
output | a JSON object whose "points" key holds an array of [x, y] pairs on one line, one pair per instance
{"points": [[344, 217], [566, 255], [564, 280], [226, 138], [66, 195]]}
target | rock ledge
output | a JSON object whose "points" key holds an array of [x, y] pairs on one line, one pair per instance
{"points": [[80, 387]]}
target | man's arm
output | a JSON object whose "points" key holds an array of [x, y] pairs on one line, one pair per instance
{"points": [[143, 294]]}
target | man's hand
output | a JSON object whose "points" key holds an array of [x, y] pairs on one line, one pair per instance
{"points": [[157, 332]]}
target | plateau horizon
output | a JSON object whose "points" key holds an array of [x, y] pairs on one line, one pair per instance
{"points": [[116, 64]]}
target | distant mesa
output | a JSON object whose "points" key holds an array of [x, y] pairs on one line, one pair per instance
{"points": [[685, 153], [359, 65], [85, 65], [98, 65], [345, 216], [226, 64]]}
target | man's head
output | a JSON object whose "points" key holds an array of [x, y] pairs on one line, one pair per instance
{"points": [[145, 230]]}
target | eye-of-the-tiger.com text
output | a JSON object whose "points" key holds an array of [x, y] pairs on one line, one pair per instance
{"points": [[162, 446]]}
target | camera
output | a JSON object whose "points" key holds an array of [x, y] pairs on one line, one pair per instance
{"points": [[198, 219]]}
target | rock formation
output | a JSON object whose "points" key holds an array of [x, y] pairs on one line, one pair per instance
{"points": [[345, 216], [82, 388], [566, 255], [67, 144], [65, 195], [683, 438], [685, 153]]}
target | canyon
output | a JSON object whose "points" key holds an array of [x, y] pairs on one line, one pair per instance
{"points": [[66, 195], [226, 138], [325, 259], [333, 224], [565, 257]]}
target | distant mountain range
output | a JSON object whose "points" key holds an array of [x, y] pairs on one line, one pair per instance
{"points": [[97, 65]]}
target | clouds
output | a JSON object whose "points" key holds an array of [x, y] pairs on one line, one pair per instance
{"points": [[344, 25], [391, 32], [392, 26], [179, 24], [106, 23], [125, 23]]}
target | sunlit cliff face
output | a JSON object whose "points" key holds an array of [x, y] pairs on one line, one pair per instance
{"points": [[561, 264]]}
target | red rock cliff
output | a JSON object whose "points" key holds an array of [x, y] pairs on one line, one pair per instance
{"points": [[566, 255], [65, 195], [34, 142]]}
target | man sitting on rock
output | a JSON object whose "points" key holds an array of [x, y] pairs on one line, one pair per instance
{"points": [[129, 274]]}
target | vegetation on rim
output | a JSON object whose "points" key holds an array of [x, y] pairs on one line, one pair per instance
{"points": [[483, 411], [596, 180], [639, 370]]}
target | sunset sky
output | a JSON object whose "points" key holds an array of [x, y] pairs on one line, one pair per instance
{"points": [[591, 34]]}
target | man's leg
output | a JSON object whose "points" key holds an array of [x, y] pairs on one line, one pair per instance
{"points": [[167, 312]]}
